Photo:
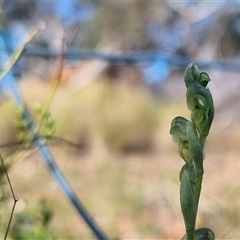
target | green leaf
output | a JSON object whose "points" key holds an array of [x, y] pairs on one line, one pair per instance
{"points": [[190, 168], [188, 203]]}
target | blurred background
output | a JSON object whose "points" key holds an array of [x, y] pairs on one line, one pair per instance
{"points": [[121, 84]]}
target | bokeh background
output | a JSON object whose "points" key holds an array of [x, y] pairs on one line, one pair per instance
{"points": [[121, 86]]}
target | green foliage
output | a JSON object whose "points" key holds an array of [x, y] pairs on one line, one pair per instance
{"points": [[123, 117], [33, 224], [190, 138], [45, 125], [128, 119]]}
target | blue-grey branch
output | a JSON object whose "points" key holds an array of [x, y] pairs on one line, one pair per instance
{"points": [[135, 58], [49, 160]]}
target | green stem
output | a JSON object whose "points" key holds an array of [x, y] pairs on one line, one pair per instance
{"points": [[199, 172], [202, 140], [190, 234]]}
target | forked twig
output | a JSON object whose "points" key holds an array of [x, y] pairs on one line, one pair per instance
{"points": [[14, 198]]}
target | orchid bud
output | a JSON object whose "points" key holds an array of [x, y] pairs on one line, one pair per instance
{"points": [[184, 151], [179, 135], [204, 79], [191, 75], [200, 102], [178, 129]]}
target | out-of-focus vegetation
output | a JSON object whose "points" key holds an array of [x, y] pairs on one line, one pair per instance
{"points": [[33, 223], [112, 123], [123, 117]]}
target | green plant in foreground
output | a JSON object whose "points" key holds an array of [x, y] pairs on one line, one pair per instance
{"points": [[190, 136], [45, 125], [33, 223]]}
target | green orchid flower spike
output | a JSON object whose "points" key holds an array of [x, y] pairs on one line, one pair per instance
{"points": [[199, 100], [190, 137]]}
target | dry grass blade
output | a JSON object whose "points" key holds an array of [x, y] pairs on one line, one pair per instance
{"points": [[17, 53], [14, 198]]}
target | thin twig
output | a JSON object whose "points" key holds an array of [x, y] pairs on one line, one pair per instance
{"points": [[66, 142], [14, 198], [50, 140]]}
